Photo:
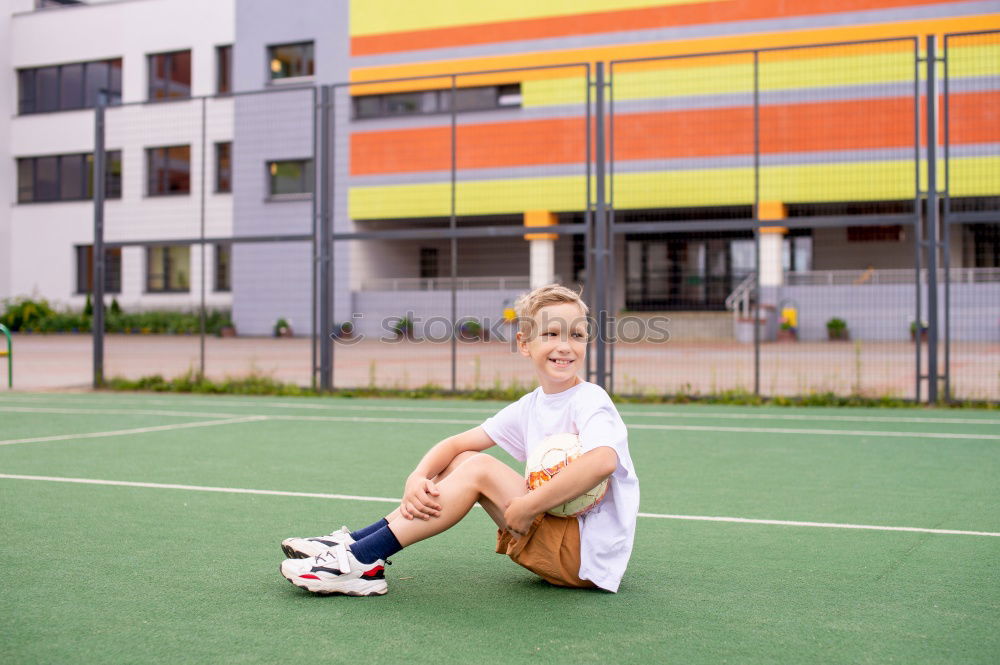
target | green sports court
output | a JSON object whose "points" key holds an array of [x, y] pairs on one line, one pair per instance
{"points": [[145, 528]]}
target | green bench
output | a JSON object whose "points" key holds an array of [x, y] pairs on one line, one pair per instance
{"points": [[9, 354]]}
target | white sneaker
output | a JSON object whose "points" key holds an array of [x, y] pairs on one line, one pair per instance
{"points": [[303, 548], [336, 571]]}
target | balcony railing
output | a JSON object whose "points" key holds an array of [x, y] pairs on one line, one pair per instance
{"points": [[876, 277], [515, 283]]}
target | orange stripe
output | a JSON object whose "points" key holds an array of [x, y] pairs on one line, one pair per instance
{"points": [[669, 48], [811, 127], [613, 21]]}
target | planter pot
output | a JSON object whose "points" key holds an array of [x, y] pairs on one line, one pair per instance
{"points": [[838, 335], [787, 335], [923, 335]]}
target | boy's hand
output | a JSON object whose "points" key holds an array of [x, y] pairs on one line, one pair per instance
{"points": [[418, 499], [518, 516]]}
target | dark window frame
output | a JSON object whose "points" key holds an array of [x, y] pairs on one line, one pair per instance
{"points": [[308, 178], [433, 102], [224, 69], [169, 64], [27, 77], [223, 177], [223, 263], [158, 181], [85, 273], [272, 75], [167, 286], [112, 182]]}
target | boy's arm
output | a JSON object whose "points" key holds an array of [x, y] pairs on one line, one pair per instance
{"points": [[585, 473], [420, 489]]}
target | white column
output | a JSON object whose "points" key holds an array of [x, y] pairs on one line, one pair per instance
{"points": [[771, 245], [542, 261]]}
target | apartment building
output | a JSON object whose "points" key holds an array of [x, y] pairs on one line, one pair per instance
{"points": [[480, 114], [146, 59]]}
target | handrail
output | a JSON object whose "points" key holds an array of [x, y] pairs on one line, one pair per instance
{"points": [[738, 302], [10, 356]]}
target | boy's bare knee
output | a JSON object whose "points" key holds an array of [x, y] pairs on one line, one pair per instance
{"points": [[460, 459]]}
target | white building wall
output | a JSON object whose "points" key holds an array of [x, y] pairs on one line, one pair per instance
{"points": [[8, 188], [43, 235]]}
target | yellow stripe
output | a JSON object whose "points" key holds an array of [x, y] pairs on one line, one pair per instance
{"points": [[653, 49], [373, 17], [673, 81], [875, 181]]}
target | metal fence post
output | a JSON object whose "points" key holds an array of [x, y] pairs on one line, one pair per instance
{"points": [[202, 246], [452, 224], [933, 223], [326, 192], [600, 232], [98, 247], [755, 302]]}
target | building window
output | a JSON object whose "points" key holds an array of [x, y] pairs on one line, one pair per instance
{"points": [[480, 98], [170, 75], [875, 233], [223, 258], [290, 61], [223, 167], [168, 170], [223, 69], [85, 269], [293, 176], [66, 177], [428, 262], [68, 87], [168, 269]]}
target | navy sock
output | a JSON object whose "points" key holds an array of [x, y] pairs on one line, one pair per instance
{"points": [[369, 530], [379, 545]]}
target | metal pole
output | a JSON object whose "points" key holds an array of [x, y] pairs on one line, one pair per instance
{"points": [[610, 265], [600, 232], [201, 317], [946, 228], [452, 222], [325, 245], [933, 222], [588, 220], [98, 249], [317, 185], [918, 240], [755, 309]]}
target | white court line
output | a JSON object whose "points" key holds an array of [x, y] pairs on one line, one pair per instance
{"points": [[380, 499], [136, 430], [833, 432], [236, 402], [820, 525], [115, 412], [453, 421]]}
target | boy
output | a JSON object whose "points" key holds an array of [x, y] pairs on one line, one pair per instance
{"points": [[589, 551]]}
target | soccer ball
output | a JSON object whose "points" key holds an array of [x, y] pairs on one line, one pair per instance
{"points": [[547, 459]]}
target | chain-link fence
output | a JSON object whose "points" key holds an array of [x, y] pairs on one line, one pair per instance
{"points": [[971, 237], [211, 228], [751, 221]]}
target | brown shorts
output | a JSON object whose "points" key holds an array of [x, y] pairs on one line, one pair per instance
{"points": [[551, 550]]}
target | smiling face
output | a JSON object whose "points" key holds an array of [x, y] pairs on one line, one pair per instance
{"points": [[557, 346]]}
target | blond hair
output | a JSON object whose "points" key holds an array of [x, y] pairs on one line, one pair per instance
{"points": [[528, 304]]}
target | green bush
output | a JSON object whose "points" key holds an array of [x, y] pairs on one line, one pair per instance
{"points": [[25, 314]]}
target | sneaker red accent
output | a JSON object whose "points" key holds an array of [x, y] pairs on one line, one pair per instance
{"points": [[373, 572], [309, 577]]}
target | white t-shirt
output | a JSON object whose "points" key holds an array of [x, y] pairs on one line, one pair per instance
{"points": [[607, 531]]}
